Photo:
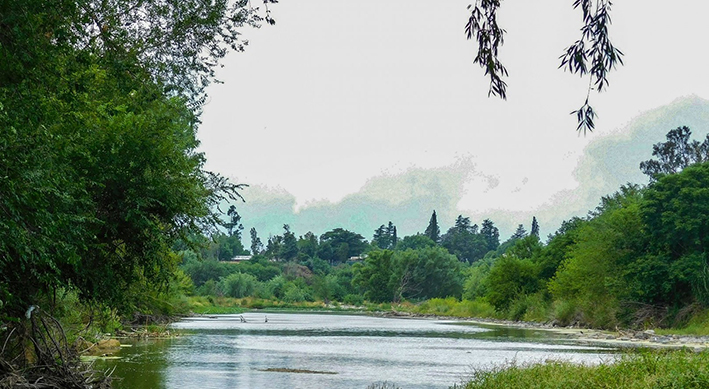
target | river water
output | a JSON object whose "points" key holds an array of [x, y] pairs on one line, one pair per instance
{"points": [[331, 351]]}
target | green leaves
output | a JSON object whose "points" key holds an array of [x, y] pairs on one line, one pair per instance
{"points": [[482, 24], [100, 173], [593, 54]]}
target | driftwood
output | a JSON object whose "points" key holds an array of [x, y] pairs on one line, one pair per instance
{"points": [[35, 354]]}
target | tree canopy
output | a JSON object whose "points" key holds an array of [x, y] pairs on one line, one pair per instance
{"points": [[675, 154], [99, 107]]}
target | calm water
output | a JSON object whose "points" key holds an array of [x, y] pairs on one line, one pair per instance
{"points": [[224, 352]]}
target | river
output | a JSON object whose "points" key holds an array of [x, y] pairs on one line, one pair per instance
{"points": [[331, 351]]}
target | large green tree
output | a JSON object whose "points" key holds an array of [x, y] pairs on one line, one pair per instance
{"points": [[676, 212], [339, 244], [464, 241], [426, 273], [99, 105]]}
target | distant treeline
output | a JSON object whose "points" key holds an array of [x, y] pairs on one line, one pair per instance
{"points": [[639, 258]]}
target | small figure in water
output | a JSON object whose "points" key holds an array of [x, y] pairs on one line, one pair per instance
{"points": [[266, 318], [242, 318]]}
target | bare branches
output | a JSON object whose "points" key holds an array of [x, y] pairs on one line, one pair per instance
{"points": [[57, 364]]}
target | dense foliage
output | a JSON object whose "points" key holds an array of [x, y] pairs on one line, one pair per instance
{"points": [[99, 105]]}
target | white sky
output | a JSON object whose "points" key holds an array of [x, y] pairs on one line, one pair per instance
{"points": [[338, 92]]}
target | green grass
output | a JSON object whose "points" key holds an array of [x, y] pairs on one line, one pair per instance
{"points": [[645, 370], [451, 307], [698, 325]]}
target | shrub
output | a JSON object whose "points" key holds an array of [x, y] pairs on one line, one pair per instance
{"points": [[293, 293], [565, 312], [238, 285], [210, 288], [353, 299]]}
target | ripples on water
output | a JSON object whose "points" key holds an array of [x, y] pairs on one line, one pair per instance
{"points": [[349, 351]]}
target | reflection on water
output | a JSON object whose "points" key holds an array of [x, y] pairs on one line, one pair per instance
{"points": [[224, 352]]}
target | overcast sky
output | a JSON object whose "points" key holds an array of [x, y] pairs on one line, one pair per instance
{"points": [[340, 97]]}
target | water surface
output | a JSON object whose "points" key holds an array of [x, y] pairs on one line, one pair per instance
{"points": [[355, 350]]}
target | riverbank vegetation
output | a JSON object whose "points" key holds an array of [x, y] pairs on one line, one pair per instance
{"points": [[644, 370], [99, 108]]}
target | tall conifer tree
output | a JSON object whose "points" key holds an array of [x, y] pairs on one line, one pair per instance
{"points": [[432, 231], [535, 227]]}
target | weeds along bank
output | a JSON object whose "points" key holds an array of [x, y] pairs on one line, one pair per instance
{"points": [[644, 370]]}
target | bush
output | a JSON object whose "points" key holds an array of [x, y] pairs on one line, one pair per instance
{"points": [[353, 299], [509, 278], [210, 288], [566, 312], [238, 285], [474, 308], [294, 293]]}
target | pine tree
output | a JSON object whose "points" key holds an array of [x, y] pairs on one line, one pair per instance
{"points": [[535, 227], [491, 234], [432, 231], [520, 233]]}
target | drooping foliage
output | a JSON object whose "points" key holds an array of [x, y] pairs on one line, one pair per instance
{"points": [[592, 54]]}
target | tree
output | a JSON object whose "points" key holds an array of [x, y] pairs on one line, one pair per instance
{"points": [[234, 226], [592, 54], [308, 245], [600, 265], [228, 246], [289, 249], [463, 241], [432, 231], [256, 245], [519, 233], [557, 248], [675, 154], [491, 234], [274, 246], [415, 242], [535, 227], [426, 273], [385, 237], [509, 278], [98, 120], [676, 212], [374, 276], [339, 244]]}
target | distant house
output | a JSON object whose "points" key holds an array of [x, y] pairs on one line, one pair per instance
{"points": [[240, 258], [357, 258]]}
